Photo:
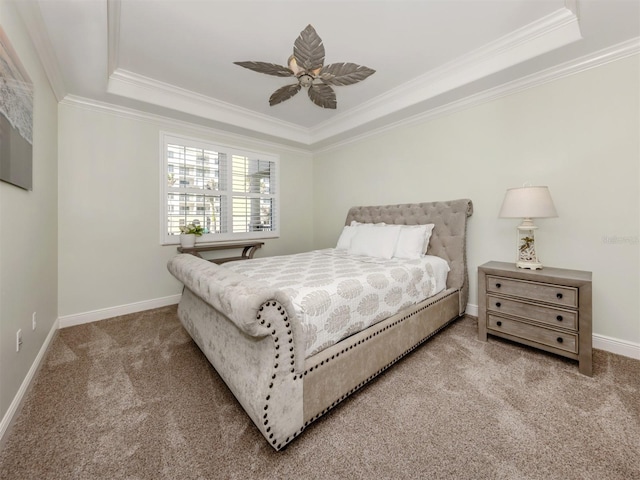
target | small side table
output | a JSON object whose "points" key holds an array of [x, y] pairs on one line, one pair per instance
{"points": [[248, 250], [549, 309]]}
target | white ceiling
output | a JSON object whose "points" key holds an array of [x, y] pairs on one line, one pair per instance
{"points": [[175, 57]]}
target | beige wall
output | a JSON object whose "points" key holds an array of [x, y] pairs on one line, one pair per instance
{"points": [[28, 231], [578, 135], [109, 207]]}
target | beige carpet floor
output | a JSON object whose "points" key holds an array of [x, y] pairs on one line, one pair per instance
{"points": [[133, 398]]}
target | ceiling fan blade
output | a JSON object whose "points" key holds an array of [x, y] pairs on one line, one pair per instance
{"points": [[308, 49], [268, 68], [307, 65], [284, 93], [323, 96], [344, 73]]}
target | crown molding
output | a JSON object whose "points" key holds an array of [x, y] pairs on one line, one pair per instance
{"points": [[617, 52], [138, 87], [602, 57], [553, 31], [169, 123], [32, 19]]}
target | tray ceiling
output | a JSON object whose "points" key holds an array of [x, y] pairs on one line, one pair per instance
{"points": [[175, 58]]}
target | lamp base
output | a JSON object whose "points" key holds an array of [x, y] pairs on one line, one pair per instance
{"points": [[526, 256], [529, 265]]}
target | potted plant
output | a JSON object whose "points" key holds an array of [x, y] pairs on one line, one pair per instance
{"points": [[188, 234]]}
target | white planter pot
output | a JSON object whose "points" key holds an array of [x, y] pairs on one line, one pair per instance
{"points": [[187, 240]]}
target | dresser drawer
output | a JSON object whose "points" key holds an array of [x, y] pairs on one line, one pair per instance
{"points": [[532, 311], [561, 340], [543, 292]]}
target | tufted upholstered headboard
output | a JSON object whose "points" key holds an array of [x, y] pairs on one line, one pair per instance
{"points": [[448, 239]]}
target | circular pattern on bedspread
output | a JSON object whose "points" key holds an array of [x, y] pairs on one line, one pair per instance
{"points": [[428, 288], [393, 297], [368, 304], [417, 274], [377, 280], [412, 291], [338, 319], [316, 303], [350, 289], [399, 274]]}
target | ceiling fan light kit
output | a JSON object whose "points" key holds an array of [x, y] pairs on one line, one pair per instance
{"points": [[307, 65]]}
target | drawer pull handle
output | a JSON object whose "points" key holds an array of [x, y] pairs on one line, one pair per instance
{"points": [[498, 304], [498, 285], [499, 324], [559, 339], [558, 296], [559, 318]]}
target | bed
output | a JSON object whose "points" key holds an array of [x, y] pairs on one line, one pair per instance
{"points": [[251, 330]]}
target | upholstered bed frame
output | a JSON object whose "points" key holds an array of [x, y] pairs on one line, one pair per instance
{"points": [[250, 333]]}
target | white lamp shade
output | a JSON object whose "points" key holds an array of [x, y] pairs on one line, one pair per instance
{"points": [[528, 202]]}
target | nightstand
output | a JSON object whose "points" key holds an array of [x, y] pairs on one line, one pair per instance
{"points": [[549, 309]]}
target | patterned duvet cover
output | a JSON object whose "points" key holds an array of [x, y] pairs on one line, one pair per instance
{"points": [[336, 294]]}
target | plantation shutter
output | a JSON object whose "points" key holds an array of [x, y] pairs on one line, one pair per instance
{"points": [[231, 193]]}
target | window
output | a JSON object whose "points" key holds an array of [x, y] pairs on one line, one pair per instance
{"points": [[231, 193]]}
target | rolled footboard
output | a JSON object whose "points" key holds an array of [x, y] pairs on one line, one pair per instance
{"points": [[248, 331]]}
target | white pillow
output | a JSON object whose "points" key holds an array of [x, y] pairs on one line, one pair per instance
{"points": [[427, 236], [355, 224], [345, 238], [375, 240], [411, 241]]}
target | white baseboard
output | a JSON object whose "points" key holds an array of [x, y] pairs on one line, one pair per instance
{"points": [[471, 310], [14, 408], [601, 342], [102, 314], [614, 345]]}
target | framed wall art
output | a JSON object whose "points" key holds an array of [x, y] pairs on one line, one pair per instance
{"points": [[16, 118]]}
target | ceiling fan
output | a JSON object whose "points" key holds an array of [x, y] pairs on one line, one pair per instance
{"points": [[307, 65]]}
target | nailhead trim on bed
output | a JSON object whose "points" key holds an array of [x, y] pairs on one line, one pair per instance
{"points": [[378, 332], [276, 364]]}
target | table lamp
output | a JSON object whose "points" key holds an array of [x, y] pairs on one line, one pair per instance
{"points": [[527, 203]]}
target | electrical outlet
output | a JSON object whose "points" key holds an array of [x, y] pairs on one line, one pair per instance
{"points": [[18, 340], [33, 321]]}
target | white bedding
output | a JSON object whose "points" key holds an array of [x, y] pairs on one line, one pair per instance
{"points": [[336, 294]]}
